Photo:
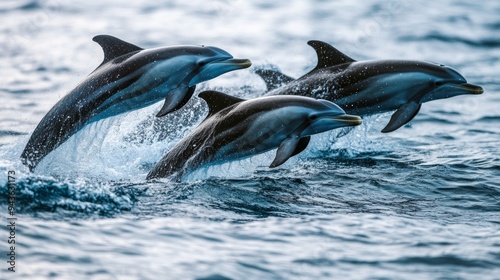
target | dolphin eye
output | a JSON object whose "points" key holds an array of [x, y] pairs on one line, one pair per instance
{"points": [[202, 63], [438, 83], [313, 117]]}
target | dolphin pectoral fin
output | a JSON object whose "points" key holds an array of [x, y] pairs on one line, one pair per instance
{"points": [[303, 142], [328, 55], [176, 99], [273, 78], [286, 150], [403, 115]]}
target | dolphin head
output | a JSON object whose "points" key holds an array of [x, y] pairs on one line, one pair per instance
{"points": [[197, 64], [446, 82], [325, 116], [418, 81], [302, 116], [404, 85], [212, 62], [291, 126]]}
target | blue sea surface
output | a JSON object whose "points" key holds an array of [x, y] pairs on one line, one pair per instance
{"points": [[422, 202]]}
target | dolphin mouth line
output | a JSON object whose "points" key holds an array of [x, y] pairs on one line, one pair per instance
{"points": [[241, 63], [470, 88], [348, 119]]}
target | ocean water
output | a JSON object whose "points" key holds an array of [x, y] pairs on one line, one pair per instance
{"points": [[419, 203]]}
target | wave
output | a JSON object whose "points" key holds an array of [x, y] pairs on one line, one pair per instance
{"points": [[489, 119], [434, 36], [8, 6], [445, 260], [65, 199], [4, 133]]}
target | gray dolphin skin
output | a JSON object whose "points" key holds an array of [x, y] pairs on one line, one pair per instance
{"points": [[128, 79], [371, 87], [236, 128]]}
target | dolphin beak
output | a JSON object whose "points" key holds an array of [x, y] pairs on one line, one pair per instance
{"points": [[237, 63], [328, 121], [348, 120], [468, 88], [219, 67]]}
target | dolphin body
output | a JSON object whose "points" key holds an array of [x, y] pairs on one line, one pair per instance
{"points": [[371, 87], [236, 128], [128, 79]]}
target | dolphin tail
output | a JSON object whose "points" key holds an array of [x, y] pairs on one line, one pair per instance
{"points": [[176, 99], [273, 78], [403, 115]]}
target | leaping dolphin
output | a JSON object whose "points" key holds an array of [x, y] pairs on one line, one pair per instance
{"points": [[128, 79], [236, 128], [371, 87]]}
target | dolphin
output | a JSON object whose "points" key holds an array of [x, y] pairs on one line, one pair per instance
{"points": [[236, 128], [371, 87], [128, 79]]}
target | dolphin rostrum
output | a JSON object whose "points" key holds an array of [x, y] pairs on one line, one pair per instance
{"points": [[236, 128], [128, 79]]}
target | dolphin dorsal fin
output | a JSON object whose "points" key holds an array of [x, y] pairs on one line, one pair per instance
{"points": [[217, 100], [114, 47], [328, 55]]}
